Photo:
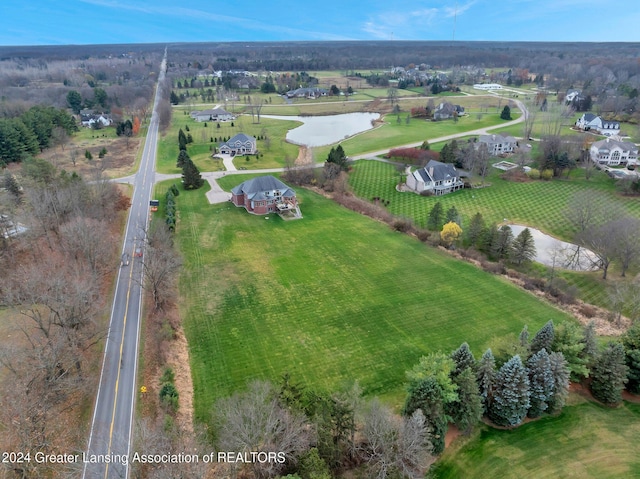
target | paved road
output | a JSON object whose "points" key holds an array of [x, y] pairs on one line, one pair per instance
{"points": [[111, 430]]}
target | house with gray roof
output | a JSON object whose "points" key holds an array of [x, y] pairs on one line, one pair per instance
{"points": [[446, 110], [612, 152], [241, 144], [214, 114], [436, 178], [498, 144], [266, 194], [591, 122], [309, 92]]}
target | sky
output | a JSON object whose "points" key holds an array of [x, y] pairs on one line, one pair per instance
{"points": [[62, 22]]}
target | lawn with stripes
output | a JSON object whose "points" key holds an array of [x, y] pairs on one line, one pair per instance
{"points": [[586, 441], [539, 204], [331, 298]]}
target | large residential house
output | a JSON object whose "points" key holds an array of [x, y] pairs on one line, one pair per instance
{"points": [[311, 92], [589, 121], [436, 178], [240, 144], [498, 144], [215, 114], [88, 118], [265, 194], [446, 110], [613, 152]]}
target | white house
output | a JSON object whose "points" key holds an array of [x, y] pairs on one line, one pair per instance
{"points": [[487, 86], [589, 121], [437, 178], [613, 153], [498, 144], [215, 114], [240, 144]]}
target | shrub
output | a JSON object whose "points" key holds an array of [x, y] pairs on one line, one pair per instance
{"points": [[169, 397], [587, 310], [423, 235], [534, 174], [546, 175], [402, 224]]}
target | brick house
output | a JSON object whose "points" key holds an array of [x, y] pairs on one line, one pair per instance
{"points": [[265, 194]]}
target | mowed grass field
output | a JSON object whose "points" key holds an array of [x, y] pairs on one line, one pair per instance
{"points": [[586, 441], [539, 204], [536, 203], [332, 298]]}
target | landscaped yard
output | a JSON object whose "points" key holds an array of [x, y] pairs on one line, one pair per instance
{"points": [[587, 440], [274, 151], [332, 298]]}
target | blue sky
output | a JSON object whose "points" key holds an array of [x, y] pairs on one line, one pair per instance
{"points": [[58, 22]]}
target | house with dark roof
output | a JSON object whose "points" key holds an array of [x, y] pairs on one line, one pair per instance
{"points": [[613, 153], [241, 144], [266, 194], [309, 92], [436, 178], [589, 121], [498, 144], [446, 110]]}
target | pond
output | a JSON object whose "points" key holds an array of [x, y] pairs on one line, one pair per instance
{"points": [[551, 251], [328, 129]]}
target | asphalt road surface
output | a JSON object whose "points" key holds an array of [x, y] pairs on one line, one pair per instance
{"points": [[112, 425]]}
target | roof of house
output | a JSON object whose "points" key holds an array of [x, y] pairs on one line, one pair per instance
{"points": [[240, 137], [213, 112], [256, 188], [607, 144], [438, 171], [491, 139], [588, 117]]}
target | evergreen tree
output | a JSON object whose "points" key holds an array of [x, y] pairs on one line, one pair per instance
{"points": [[463, 359], [338, 156], [74, 100], [191, 177], [501, 246], [485, 375], [452, 216], [173, 98], [543, 338], [510, 394], [567, 339], [560, 372], [523, 248], [474, 230], [609, 374], [506, 113], [183, 157], [488, 237], [466, 411], [432, 390], [427, 395], [631, 343], [182, 140], [541, 383], [436, 216]]}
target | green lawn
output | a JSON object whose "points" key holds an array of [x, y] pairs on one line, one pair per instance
{"points": [[274, 150], [393, 133], [331, 298], [586, 441]]}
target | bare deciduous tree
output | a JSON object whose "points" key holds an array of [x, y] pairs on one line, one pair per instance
{"points": [[255, 421], [160, 266], [395, 446]]}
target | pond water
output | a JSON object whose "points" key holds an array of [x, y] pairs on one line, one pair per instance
{"points": [[328, 129], [550, 251]]}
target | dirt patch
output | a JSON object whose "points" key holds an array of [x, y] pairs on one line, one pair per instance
{"points": [[452, 434], [179, 362], [118, 161], [305, 156]]}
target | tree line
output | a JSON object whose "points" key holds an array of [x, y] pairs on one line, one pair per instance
{"points": [[33, 131]]}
